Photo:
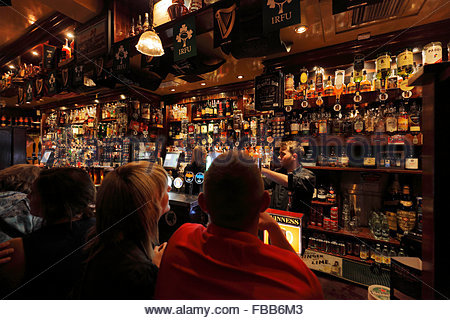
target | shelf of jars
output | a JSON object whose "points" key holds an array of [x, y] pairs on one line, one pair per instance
{"points": [[361, 233], [353, 169]]}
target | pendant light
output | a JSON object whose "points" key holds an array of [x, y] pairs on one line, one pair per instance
{"points": [[149, 42]]}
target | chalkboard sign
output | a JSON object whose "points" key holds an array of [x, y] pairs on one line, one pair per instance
{"points": [[269, 90]]}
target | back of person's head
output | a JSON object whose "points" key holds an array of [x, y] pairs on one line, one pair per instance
{"points": [[233, 190], [64, 193], [293, 147], [198, 155], [19, 177], [128, 204]]}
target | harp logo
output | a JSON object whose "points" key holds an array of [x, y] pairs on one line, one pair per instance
{"points": [[225, 20]]}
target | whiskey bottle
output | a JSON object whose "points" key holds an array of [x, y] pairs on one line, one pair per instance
{"points": [[319, 80], [369, 160], [402, 120], [365, 85], [311, 93], [358, 125], [132, 31], [414, 118], [139, 28], [405, 63], [146, 24], [351, 87], [391, 120], [303, 84], [411, 161], [406, 216], [329, 89], [358, 66], [383, 65]]}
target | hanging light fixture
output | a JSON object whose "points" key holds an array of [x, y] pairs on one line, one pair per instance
{"points": [[149, 42]]}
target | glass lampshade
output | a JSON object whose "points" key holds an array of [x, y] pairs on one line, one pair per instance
{"points": [[150, 44]]}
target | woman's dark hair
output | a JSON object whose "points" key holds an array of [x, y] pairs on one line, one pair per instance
{"points": [[65, 193], [19, 177]]}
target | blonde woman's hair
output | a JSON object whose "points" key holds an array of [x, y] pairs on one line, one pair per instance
{"points": [[19, 177], [198, 155], [128, 205]]}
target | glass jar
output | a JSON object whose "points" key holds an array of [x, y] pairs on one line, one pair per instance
{"points": [[432, 53]]}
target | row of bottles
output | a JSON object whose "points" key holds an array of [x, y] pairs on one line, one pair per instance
{"points": [[215, 109], [398, 117], [402, 212], [20, 121], [367, 252], [139, 27]]}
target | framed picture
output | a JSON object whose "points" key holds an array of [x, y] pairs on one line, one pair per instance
{"points": [[94, 38]]}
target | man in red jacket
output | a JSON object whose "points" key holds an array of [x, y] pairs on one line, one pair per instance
{"points": [[227, 260]]}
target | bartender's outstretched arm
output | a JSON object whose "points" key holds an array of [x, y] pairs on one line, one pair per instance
{"points": [[279, 178]]}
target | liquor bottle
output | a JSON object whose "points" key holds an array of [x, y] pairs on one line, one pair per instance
{"points": [[227, 109], [203, 111], [65, 52], [198, 111], [146, 25], [295, 126], [406, 216], [365, 85], [391, 120], [339, 85], [322, 160], [369, 121], [319, 80], [331, 195], [402, 120], [358, 66], [220, 112], [195, 5], [405, 63], [211, 127], [214, 109], [385, 259], [351, 87], [392, 81], [311, 93], [139, 28], [288, 86], [383, 65], [358, 125], [329, 89], [411, 161], [414, 118], [305, 126], [369, 160], [323, 125], [377, 254], [419, 214], [321, 193], [303, 84], [132, 32], [3, 121], [332, 160]]}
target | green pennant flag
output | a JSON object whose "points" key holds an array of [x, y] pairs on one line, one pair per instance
{"points": [[184, 43], [278, 14]]}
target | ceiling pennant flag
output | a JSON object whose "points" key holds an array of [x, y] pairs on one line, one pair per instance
{"points": [[185, 44], [29, 91], [278, 14], [225, 21]]}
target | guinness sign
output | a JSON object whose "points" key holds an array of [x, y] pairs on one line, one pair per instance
{"points": [[65, 78], [39, 86], [225, 21], [20, 95]]}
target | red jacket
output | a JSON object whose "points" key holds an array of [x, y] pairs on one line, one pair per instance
{"points": [[218, 263]]}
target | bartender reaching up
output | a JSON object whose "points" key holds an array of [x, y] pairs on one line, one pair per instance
{"points": [[227, 260], [290, 178]]}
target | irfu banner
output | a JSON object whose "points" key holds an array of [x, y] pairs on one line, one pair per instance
{"points": [[121, 57], [184, 45], [278, 14]]}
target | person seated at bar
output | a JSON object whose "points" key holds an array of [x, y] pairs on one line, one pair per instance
{"points": [[123, 257], [227, 260], [291, 177], [50, 258], [198, 164], [15, 217]]}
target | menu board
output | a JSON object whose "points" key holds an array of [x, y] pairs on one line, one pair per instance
{"points": [[269, 91]]}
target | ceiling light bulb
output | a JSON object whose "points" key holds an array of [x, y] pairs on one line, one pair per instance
{"points": [[172, 90], [11, 66], [70, 35], [301, 29], [122, 96], [96, 101], [240, 76], [203, 84], [34, 53]]}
